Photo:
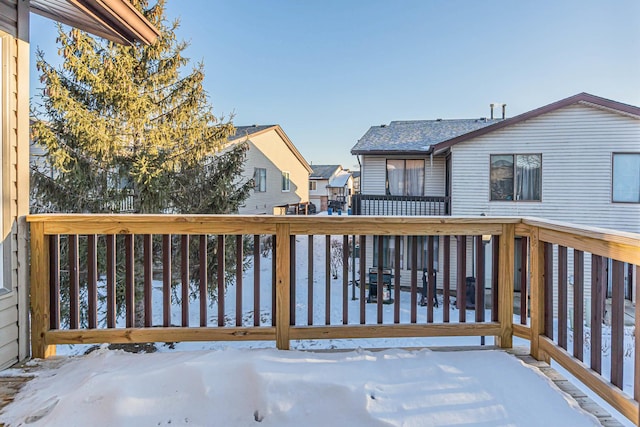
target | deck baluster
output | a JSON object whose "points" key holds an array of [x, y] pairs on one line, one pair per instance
{"points": [[54, 277], [129, 282], [184, 276], [111, 280], [148, 286], [74, 281], [597, 304], [92, 280], [220, 273], [446, 279], [578, 304], [166, 280], [562, 296], [617, 323], [239, 271], [256, 280], [310, 281]]}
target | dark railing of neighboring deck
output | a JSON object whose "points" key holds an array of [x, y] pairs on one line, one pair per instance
{"points": [[371, 204]]}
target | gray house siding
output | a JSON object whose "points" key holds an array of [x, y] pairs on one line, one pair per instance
{"points": [[576, 143], [374, 171]]}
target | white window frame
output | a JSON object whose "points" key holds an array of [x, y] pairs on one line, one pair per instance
{"points": [[286, 181], [514, 194], [313, 185], [258, 181], [616, 175]]}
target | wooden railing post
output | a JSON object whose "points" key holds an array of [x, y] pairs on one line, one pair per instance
{"points": [[505, 286], [283, 285], [40, 288], [536, 250]]}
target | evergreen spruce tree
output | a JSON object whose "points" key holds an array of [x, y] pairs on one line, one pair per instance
{"points": [[127, 129]]}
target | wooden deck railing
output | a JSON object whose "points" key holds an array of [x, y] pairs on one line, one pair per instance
{"points": [[85, 266]]}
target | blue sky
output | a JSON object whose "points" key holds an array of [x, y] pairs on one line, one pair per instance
{"points": [[328, 70]]}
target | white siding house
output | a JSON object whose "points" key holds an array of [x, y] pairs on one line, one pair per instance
{"points": [[280, 172], [330, 186], [584, 154], [577, 144]]}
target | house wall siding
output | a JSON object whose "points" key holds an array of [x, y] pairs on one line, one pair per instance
{"points": [[374, 171], [269, 151], [435, 176], [14, 343], [576, 143], [9, 16]]}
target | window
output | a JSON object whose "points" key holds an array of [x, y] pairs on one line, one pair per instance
{"points": [[405, 177], [626, 177], [286, 183], [313, 185], [516, 177], [423, 252], [260, 180], [388, 251]]}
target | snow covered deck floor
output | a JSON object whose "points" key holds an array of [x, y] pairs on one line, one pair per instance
{"points": [[13, 380]]}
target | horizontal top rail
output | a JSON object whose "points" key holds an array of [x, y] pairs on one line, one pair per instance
{"points": [[266, 224], [620, 245]]}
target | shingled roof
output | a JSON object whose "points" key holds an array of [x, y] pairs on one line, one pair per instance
{"points": [[424, 136], [242, 131], [415, 135], [323, 171]]}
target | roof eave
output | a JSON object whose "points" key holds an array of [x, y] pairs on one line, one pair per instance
{"points": [[581, 98], [391, 152], [115, 20]]}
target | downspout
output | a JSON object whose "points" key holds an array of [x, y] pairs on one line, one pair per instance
{"points": [[360, 168]]}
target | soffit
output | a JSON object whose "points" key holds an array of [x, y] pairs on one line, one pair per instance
{"points": [[115, 20]]}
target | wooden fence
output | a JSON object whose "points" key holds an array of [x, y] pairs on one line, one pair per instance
{"points": [[82, 262]]}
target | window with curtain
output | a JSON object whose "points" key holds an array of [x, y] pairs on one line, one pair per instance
{"points": [[516, 177], [260, 180], [286, 182], [405, 177], [626, 177], [423, 252], [388, 251]]}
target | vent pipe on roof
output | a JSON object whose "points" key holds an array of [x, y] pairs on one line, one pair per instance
{"points": [[491, 106], [504, 111]]}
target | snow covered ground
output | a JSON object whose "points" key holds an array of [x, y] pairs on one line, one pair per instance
{"points": [[238, 384]]}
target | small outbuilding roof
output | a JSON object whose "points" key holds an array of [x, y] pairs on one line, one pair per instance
{"points": [[340, 180]]}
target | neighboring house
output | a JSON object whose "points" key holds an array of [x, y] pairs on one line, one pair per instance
{"points": [[280, 173], [330, 186], [356, 182], [575, 160], [115, 20]]}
